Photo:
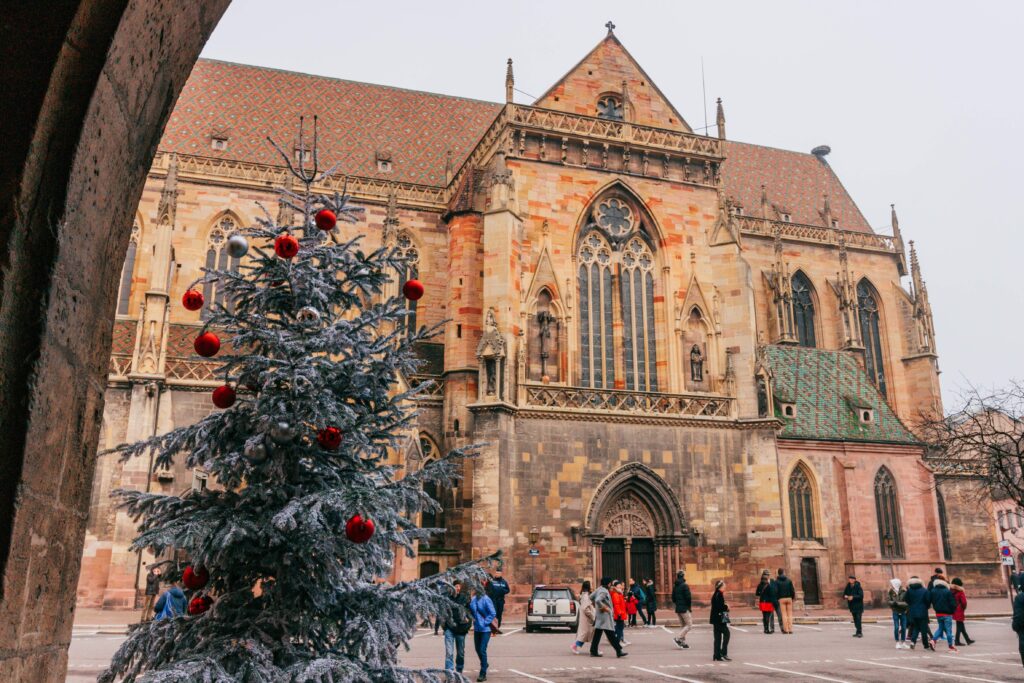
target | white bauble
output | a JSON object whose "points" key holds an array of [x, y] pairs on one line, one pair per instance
{"points": [[255, 452], [282, 432], [308, 316]]}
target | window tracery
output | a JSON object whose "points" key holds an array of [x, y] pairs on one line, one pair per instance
{"points": [[610, 107], [217, 258], [867, 307], [888, 513], [803, 309], [801, 505], [407, 252]]}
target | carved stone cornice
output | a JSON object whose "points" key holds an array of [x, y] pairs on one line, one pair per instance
{"points": [[815, 234]]}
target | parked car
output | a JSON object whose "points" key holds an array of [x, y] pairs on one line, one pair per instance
{"points": [[552, 606]]}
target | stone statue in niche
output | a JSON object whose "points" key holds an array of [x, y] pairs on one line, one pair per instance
{"points": [[762, 397], [696, 364], [492, 376]]}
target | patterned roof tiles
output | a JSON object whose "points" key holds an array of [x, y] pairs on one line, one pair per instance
{"points": [[357, 120], [827, 388]]}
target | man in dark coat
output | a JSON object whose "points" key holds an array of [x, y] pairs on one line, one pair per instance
{"points": [[1018, 622], [497, 589], [854, 595], [152, 590], [457, 621], [918, 599], [787, 593], [944, 604], [652, 602], [683, 601], [938, 575]]}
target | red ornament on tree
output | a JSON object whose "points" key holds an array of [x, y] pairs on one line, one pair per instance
{"points": [[224, 396], [325, 219], [192, 300], [329, 438], [195, 579], [359, 529], [286, 246], [207, 344], [413, 290], [199, 604]]}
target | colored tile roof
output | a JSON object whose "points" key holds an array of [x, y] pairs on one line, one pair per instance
{"points": [[357, 120], [827, 387], [794, 182]]}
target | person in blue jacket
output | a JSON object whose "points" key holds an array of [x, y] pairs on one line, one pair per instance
{"points": [[171, 603], [484, 614], [918, 599]]}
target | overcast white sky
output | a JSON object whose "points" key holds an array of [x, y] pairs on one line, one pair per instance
{"points": [[921, 103]]}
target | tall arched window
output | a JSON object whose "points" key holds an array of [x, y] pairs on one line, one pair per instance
{"points": [[124, 292], [801, 505], [887, 509], [616, 275], [803, 309], [433, 519], [867, 304], [217, 258], [406, 250], [636, 278], [596, 344], [947, 551]]}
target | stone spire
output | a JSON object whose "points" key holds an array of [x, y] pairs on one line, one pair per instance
{"points": [[922, 308], [168, 207], [720, 120], [826, 212], [391, 217], [897, 239], [625, 101], [285, 212], [510, 81], [449, 168]]}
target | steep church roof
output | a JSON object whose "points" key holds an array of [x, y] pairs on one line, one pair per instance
{"points": [[828, 390], [357, 121], [416, 129]]}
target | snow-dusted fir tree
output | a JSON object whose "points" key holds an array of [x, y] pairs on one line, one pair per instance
{"points": [[287, 559]]}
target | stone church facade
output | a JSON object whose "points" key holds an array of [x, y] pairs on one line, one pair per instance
{"points": [[679, 351]]}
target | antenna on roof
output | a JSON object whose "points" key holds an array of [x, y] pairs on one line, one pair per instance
{"points": [[704, 87]]}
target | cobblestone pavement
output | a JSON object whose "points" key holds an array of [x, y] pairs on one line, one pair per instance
{"points": [[824, 652]]}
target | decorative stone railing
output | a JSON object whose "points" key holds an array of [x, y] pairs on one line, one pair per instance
{"points": [[434, 389], [623, 132], [867, 241], [632, 402], [271, 177]]}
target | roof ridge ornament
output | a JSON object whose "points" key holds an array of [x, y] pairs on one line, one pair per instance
{"points": [[611, 28]]}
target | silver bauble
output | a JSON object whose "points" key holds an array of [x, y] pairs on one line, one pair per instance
{"points": [[282, 432], [238, 246], [308, 315], [255, 452]]}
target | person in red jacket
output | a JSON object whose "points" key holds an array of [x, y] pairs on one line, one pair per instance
{"points": [[631, 603], [619, 610], [959, 613]]}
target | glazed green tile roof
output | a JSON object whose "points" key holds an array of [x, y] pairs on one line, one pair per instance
{"points": [[827, 387]]}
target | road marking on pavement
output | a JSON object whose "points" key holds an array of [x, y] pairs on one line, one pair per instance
{"points": [[665, 629], [420, 635], [884, 628], [508, 633], [797, 673], [813, 628], [985, 654], [737, 628], [531, 676], [931, 672], [665, 675], [987, 661]]}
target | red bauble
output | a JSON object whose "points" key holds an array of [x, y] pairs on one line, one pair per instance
{"points": [[199, 604], [286, 246], [359, 529], [413, 290], [207, 344], [329, 438], [195, 579], [325, 219], [224, 396], [192, 300]]}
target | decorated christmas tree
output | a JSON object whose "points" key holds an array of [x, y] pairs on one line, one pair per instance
{"points": [[287, 559]]}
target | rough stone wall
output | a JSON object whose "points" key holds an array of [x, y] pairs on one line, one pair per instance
{"points": [[972, 536]]}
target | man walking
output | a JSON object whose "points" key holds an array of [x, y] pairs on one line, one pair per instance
{"points": [[854, 595], [918, 600], [786, 592], [456, 625], [944, 604], [652, 602], [497, 589], [683, 601], [152, 590], [482, 609], [603, 620]]}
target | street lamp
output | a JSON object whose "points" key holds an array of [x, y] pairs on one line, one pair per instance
{"points": [[889, 543], [534, 537]]}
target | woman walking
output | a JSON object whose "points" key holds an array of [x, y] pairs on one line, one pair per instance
{"points": [[484, 614], [585, 630], [720, 622], [897, 597], [652, 602], [959, 613], [766, 601], [603, 620]]}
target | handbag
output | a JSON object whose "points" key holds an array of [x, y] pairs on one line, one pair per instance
{"points": [[724, 619]]}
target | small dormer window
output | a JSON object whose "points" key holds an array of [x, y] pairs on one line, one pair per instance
{"points": [[786, 218], [789, 410], [302, 156], [199, 480], [218, 143], [384, 163], [609, 107], [866, 415], [835, 222]]}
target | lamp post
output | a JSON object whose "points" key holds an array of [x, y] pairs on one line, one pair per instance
{"points": [[534, 537], [888, 543]]}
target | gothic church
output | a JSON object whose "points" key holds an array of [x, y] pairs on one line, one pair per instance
{"points": [[681, 351]]}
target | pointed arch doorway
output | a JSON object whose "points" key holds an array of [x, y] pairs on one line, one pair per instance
{"points": [[636, 527]]}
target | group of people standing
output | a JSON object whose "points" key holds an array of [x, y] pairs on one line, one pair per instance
{"points": [[775, 599], [910, 610]]}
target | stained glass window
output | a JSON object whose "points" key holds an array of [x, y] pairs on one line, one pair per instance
{"points": [[869, 331], [409, 254], [801, 505], [803, 309], [609, 107], [217, 258], [887, 510]]}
